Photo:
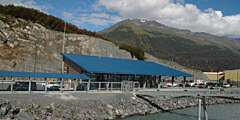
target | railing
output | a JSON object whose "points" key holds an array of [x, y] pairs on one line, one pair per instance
{"points": [[76, 85]]}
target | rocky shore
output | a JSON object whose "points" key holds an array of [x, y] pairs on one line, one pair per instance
{"points": [[92, 106]]}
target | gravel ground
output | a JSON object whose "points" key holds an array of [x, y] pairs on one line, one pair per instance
{"points": [[64, 106]]}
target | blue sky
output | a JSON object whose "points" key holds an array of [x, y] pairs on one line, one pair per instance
{"points": [[228, 7], [219, 17]]}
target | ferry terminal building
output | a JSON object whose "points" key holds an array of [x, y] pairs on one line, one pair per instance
{"points": [[105, 69], [84, 73]]}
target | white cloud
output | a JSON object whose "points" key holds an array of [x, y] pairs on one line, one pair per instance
{"points": [[176, 14], [180, 1], [8, 2], [25, 3], [67, 15], [98, 19]]}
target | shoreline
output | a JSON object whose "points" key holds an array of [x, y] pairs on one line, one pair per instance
{"points": [[100, 105], [172, 110]]}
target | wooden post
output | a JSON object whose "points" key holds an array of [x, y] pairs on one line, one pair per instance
{"points": [[46, 83], [12, 85], [29, 85]]}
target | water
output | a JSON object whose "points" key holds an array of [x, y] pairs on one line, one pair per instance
{"points": [[215, 112]]}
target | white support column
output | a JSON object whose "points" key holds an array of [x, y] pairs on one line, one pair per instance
{"points": [[111, 86], [99, 85], [66, 83], [46, 83], [12, 85], [122, 86], [139, 86], [70, 84], [107, 85], [75, 85], [159, 84], [61, 85], [144, 85], [88, 85], [29, 85]]}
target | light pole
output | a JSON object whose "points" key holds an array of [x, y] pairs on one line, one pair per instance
{"points": [[63, 46]]}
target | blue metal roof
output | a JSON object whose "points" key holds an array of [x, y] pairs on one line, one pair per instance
{"points": [[95, 64], [41, 75]]}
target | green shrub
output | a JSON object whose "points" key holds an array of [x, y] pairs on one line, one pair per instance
{"points": [[137, 52]]}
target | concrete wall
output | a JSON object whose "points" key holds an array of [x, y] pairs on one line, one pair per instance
{"points": [[233, 75]]}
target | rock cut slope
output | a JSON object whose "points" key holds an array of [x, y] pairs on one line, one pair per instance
{"points": [[27, 46]]}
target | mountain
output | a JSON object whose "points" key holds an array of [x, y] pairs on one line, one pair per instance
{"points": [[194, 50]]}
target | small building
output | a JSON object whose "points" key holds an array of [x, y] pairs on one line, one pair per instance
{"points": [[104, 69], [214, 75], [232, 76]]}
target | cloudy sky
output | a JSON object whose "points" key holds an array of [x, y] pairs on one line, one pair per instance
{"points": [[219, 17]]}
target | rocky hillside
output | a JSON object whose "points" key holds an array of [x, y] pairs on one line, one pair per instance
{"points": [[57, 24], [194, 50], [27, 46]]}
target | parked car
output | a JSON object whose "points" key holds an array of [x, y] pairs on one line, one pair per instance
{"points": [[23, 86], [188, 85], [180, 85], [52, 85], [226, 86], [212, 85], [202, 85], [191, 84], [171, 85]]}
